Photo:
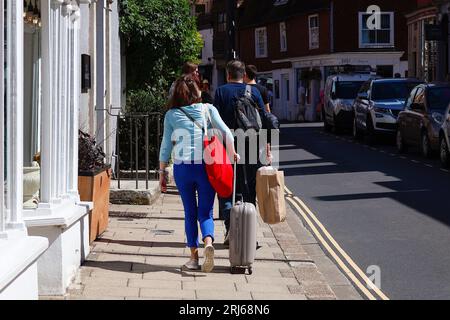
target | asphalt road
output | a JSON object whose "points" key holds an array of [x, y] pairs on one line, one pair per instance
{"points": [[384, 209]]}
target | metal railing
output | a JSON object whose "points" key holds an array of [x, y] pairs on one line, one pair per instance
{"points": [[135, 134]]}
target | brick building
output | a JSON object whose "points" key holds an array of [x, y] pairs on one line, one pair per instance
{"points": [[297, 44]]}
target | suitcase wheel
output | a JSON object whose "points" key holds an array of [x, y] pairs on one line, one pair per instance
{"points": [[250, 270]]}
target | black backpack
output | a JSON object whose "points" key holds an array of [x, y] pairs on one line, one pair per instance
{"points": [[247, 112]]}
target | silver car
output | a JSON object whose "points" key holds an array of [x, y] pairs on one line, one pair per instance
{"points": [[378, 105], [340, 93]]}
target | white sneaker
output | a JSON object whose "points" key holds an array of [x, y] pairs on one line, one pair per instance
{"points": [[192, 265], [208, 265]]}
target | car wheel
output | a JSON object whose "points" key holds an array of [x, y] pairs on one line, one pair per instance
{"points": [[426, 146], [445, 154], [401, 145], [356, 131], [326, 126], [370, 132]]}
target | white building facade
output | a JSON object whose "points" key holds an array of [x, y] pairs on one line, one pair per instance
{"points": [[44, 227], [102, 97]]}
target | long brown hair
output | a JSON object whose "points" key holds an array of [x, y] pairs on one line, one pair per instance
{"points": [[186, 92]]}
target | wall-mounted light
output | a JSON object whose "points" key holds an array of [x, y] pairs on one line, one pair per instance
{"points": [[36, 14], [25, 4], [30, 12]]}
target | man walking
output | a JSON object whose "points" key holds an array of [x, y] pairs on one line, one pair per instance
{"points": [[250, 78], [225, 102]]}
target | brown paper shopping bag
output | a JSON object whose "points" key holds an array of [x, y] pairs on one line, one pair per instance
{"points": [[270, 194]]}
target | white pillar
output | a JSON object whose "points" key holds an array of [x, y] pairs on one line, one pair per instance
{"points": [[64, 64], [74, 108], [47, 102], [56, 83], [2, 129], [15, 114], [100, 73]]}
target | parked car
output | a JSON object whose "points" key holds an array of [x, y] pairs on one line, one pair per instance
{"points": [[421, 121], [340, 93], [378, 105], [444, 139]]}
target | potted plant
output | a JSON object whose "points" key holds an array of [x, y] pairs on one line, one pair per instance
{"points": [[94, 177]]}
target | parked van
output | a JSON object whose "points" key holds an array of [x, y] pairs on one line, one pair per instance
{"points": [[340, 93]]}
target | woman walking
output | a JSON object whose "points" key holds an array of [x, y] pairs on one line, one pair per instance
{"points": [[184, 135]]}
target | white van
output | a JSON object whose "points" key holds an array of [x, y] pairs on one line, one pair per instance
{"points": [[340, 93]]}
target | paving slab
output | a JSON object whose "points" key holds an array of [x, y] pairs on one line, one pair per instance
{"points": [[141, 256]]}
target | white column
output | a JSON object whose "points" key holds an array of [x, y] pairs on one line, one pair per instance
{"points": [[56, 80], [15, 113], [100, 73], [65, 65], [2, 129], [74, 107], [47, 102]]}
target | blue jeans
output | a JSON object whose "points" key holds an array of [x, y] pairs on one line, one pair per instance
{"points": [[191, 179]]}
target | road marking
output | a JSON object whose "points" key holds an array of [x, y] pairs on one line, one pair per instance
{"points": [[428, 165], [305, 212], [445, 170], [415, 161]]}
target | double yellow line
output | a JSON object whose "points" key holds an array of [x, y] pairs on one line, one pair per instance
{"points": [[349, 267]]}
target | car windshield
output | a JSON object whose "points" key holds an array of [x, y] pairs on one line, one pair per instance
{"points": [[348, 89], [439, 98], [392, 90]]}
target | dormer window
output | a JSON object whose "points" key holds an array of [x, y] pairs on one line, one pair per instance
{"points": [[280, 2]]}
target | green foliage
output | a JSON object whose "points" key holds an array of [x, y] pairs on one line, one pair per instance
{"points": [[142, 101], [159, 36]]}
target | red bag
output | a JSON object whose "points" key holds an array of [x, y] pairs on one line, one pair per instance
{"points": [[218, 165]]}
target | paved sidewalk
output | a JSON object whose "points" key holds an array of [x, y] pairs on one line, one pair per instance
{"points": [[141, 254]]}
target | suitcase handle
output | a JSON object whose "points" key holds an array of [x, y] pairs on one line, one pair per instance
{"points": [[234, 183]]}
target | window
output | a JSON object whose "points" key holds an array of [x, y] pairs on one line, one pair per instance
{"points": [[261, 42], [283, 37], [313, 32], [222, 22], [379, 38]]}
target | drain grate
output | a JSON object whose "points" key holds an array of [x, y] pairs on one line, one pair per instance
{"points": [[163, 232], [118, 214]]}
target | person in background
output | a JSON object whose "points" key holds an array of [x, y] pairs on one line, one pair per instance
{"points": [[206, 95], [250, 78], [320, 105], [224, 101], [189, 166], [189, 68]]}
